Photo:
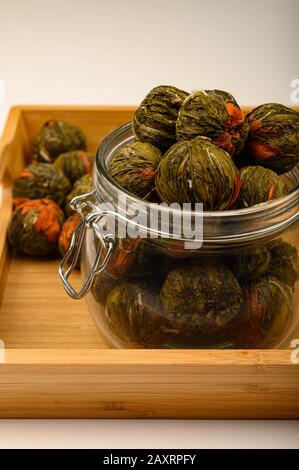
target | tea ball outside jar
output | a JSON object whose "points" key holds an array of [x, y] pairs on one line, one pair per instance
{"points": [[41, 180], [35, 227], [56, 137]]}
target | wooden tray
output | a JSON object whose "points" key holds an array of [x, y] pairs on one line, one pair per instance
{"points": [[56, 364]]}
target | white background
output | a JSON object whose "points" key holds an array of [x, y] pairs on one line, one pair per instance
{"points": [[109, 51]]}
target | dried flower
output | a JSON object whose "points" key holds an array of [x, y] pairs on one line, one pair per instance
{"points": [[75, 164], [198, 171], [265, 315], [134, 168], [201, 299], [41, 180], [135, 316], [81, 186], [35, 226], [56, 137], [258, 185], [155, 119], [67, 231], [273, 139], [214, 114]]}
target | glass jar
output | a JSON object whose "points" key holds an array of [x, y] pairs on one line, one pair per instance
{"points": [[232, 287]]}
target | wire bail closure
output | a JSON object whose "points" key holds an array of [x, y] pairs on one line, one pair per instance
{"points": [[91, 215]]}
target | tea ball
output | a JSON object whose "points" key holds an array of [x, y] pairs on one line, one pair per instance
{"points": [[201, 299], [284, 262], [155, 119], [56, 137], [198, 171], [214, 114], [135, 316], [265, 314], [134, 168], [41, 180], [249, 264], [35, 227], [259, 185], [81, 186], [273, 139], [75, 164]]}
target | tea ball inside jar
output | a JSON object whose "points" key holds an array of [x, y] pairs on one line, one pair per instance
{"points": [[155, 119], [134, 167], [198, 171], [214, 114], [273, 139], [201, 299]]}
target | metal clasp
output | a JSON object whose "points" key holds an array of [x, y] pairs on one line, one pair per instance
{"points": [[91, 216]]}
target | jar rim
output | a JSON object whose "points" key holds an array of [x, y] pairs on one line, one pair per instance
{"points": [[284, 211]]}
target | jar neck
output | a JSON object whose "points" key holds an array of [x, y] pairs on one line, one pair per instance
{"points": [[260, 222]]}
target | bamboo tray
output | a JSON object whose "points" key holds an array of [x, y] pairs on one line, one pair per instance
{"points": [[55, 363]]}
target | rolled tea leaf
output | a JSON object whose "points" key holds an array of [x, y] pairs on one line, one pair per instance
{"points": [[265, 315], [75, 164], [284, 262], [102, 286], [259, 185], [134, 168], [81, 186], [273, 139], [155, 119], [40, 180], [134, 314], [201, 299], [35, 226], [198, 171], [249, 264], [55, 138], [214, 114]]}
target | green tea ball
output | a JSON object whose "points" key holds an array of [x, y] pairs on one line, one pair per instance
{"points": [[201, 299], [81, 186], [284, 262], [249, 264], [75, 164], [56, 137], [155, 119], [273, 139], [35, 227], [135, 316], [198, 171], [41, 180], [265, 315], [134, 168], [214, 114], [258, 185]]}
